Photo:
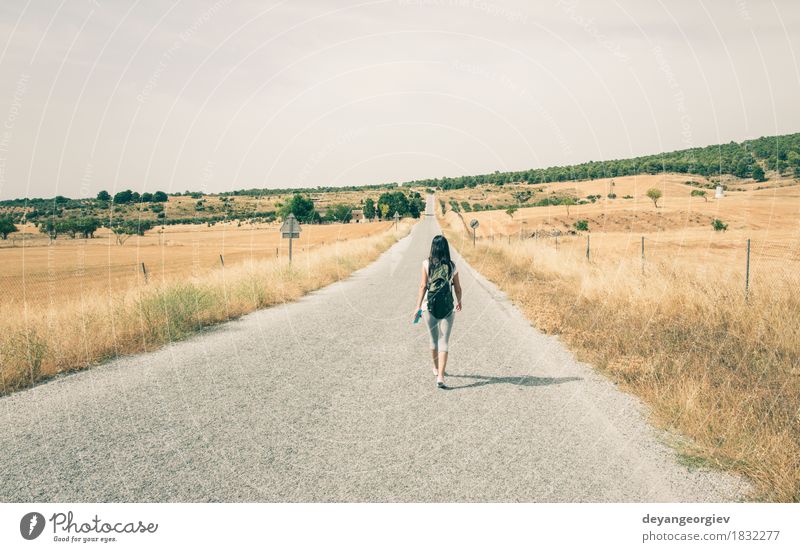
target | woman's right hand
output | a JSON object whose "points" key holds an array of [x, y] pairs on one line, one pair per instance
{"points": [[416, 313]]}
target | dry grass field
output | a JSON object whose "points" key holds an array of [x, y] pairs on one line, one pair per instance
{"points": [[678, 231], [33, 272], [79, 302], [720, 371]]}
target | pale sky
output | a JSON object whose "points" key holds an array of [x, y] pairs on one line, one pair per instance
{"points": [[221, 95]]}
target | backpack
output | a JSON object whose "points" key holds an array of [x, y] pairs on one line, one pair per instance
{"points": [[440, 298]]}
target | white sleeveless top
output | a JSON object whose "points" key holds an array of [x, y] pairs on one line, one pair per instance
{"points": [[425, 267]]}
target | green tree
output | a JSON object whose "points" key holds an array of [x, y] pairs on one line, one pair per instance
{"points": [[7, 227], [103, 195], [511, 210], [147, 197], [369, 208], [567, 202], [125, 230], [396, 202], [582, 225], [302, 207], [125, 196], [340, 213], [86, 226], [699, 193], [160, 197], [655, 195], [758, 173], [718, 225], [384, 207], [49, 227]]}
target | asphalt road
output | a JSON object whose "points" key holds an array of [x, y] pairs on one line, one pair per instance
{"points": [[332, 398]]}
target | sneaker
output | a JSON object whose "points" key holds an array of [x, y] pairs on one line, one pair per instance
{"points": [[441, 385]]}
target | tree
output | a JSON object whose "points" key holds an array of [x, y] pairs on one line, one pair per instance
{"points": [[302, 207], [125, 230], [384, 209], [416, 205], [700, 193], [719, 226], [511, 210], [103, 195], [369, 208], [49, 227], [7, 227], [340, 213], [758, 173], [86, 226], [567, 202], [125, 196], [655, 195], [396, 202], [582, 225], [147, 197], [160, 197]]}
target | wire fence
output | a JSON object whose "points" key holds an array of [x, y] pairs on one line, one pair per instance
{"points": [[769, 261]]}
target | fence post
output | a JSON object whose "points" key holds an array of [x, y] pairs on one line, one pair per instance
{"points": [[642, 254], [221, 260], [473, 237], [556, 241], [144, 271], [587, 247], [747, 272]]}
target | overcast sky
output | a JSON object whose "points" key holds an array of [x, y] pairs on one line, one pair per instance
{"points": [[221, 95]]}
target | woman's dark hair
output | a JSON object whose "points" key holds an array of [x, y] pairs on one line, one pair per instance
{"points": [[440, 253]]}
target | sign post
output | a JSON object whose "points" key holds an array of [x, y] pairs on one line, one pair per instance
{"points": [[473, 224], [290, 229], [396, 218]]}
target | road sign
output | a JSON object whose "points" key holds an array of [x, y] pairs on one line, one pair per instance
{"points": [[290, 229], [473, 223]]}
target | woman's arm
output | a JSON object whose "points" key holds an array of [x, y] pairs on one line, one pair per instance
{"points": [[457, 287], [423, 284]]}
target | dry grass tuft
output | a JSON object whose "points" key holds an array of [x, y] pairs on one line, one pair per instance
{"points": [[42, 340], [720, 370]]}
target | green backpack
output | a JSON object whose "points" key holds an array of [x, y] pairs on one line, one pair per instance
{"points": [[440, 298]]}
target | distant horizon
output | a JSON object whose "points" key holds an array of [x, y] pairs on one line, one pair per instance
{"points": [[398, 183]]}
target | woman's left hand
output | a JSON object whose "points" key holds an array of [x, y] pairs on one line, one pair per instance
{"points": [[458, 307]]}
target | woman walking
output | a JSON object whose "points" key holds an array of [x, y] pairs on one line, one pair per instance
{"points": [[435, 299]]}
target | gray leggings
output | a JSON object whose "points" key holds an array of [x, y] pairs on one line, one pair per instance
{"points": [[439, 330]]}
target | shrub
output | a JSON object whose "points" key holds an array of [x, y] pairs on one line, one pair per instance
{"points": [[718, 225], [612, 195], [582, 225]]}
